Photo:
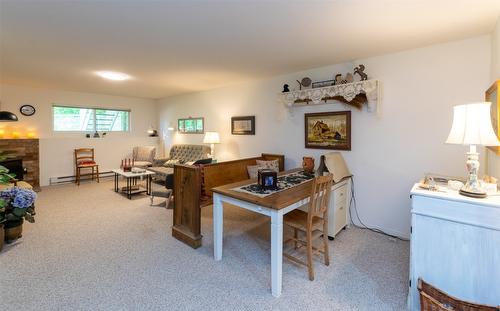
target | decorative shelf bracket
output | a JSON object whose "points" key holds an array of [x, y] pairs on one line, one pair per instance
{"points": [[355, 94]]}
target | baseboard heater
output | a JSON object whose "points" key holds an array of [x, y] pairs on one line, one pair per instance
{"points": [[72, 178]]}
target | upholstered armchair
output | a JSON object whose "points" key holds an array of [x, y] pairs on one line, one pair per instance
{"points": [[144, 156]]}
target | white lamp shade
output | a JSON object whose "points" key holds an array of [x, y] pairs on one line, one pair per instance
{"points": [[211, 138], [472, 125]]}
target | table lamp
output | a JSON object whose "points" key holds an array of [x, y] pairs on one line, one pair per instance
{"points": [[211, 138], [472, 126]]}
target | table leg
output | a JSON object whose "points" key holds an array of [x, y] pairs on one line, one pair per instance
{"points": [[276, 252], [218, 225], [129, 188], [116, 182]]}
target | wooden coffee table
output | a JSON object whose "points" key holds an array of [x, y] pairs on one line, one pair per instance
{"points": [[133, 186]]}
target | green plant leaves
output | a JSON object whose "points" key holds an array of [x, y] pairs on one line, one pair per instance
{"points": [[19, 212], [5, 177]]}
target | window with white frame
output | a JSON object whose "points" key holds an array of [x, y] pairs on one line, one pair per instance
{"points": [[78, 119]]}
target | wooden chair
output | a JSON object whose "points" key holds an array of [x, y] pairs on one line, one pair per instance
{"points": [[314, 223], [84, 158]]}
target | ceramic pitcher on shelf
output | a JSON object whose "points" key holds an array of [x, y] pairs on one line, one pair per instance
{"points": [[308, 164]]}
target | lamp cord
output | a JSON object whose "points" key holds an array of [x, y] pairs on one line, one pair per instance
{"points": [[352, 204]]}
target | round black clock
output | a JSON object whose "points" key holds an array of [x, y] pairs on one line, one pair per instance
{"points": [[27, 110]]}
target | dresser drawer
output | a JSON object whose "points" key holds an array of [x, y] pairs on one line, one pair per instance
{"points": [[339, 195], [340, 217]]}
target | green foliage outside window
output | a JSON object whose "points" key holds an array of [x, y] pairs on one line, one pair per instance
{"points": [[191, 125]]}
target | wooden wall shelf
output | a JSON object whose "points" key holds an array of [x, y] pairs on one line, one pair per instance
{"points": [[355, 94]]}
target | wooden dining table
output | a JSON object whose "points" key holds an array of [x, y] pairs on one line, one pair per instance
{"points": [[274, 206]]}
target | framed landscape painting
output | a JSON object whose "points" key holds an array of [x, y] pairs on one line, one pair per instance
{"points": [[492, 97], [243, 125], [328, 130]]}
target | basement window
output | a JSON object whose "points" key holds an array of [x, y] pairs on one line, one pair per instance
{"points": [[191, 126], [79, 119]]}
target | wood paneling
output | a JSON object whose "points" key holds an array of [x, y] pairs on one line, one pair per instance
{"points": [[187, 214]]}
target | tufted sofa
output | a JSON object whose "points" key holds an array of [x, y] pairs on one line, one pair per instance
{"points": [[181, 154], [189, 153]]}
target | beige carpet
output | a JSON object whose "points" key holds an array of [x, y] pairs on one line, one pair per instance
{"points": [[92, 249]]}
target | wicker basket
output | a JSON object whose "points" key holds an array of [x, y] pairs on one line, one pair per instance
{"points": [[433, 299]]}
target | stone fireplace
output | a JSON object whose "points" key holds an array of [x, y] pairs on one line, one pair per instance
{"points": [[23, 152]]}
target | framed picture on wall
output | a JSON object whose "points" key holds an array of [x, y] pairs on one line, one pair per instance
{"points": [[243, 125], [328, 130], [492, 96], [191, 126]]}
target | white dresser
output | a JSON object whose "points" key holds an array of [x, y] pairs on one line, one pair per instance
{"points": [[338, 210], [455, 245]]}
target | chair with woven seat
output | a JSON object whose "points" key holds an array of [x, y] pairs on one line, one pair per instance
{"points": [[84, 158], [314, 223]]}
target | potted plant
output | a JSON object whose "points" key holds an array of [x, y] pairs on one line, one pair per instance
{"points": [[16, 204], [5, 178]]}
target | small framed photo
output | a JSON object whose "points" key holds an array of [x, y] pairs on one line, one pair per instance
{"points": [[243, 125], [328, 130], [323, 83]]}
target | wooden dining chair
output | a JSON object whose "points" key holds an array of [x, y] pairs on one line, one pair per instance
{"points": [[314, 223], [84, 158]]}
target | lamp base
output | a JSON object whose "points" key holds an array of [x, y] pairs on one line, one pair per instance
{"points": [[472, 188], [477, 195]]}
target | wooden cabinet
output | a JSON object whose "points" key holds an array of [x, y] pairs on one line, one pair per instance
{"points": [[455, 246], [338, 209]]}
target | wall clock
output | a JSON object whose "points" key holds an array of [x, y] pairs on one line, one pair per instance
{"points": [[27, 110]]}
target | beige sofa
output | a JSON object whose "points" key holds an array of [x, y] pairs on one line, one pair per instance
{"points": [[179, 154]]}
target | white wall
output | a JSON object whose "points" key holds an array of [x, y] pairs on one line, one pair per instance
{"points": [[56, 149], [390, 151], [493, 158]]}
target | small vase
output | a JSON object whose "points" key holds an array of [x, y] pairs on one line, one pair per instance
{"points": [[2, 236], [13, 231], [308, 164]]}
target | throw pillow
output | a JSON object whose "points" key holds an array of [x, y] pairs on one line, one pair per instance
{"points": [[253, 170], [272, 165], [171, 162]]}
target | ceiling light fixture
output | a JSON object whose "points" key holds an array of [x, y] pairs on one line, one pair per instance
{"points": [[113, 75]]}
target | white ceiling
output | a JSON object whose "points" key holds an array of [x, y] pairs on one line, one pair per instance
{"points": [[174, 47]]}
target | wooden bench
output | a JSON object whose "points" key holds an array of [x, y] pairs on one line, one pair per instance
{"points": [[192, 190]]}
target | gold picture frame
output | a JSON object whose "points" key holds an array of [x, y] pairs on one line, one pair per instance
{"points": [[328, 130], [491, 95]]}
